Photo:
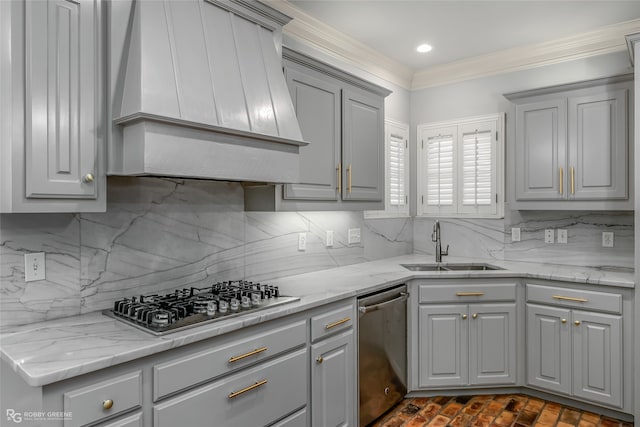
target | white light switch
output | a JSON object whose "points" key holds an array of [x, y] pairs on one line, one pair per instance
{"points": [[354, 235], [34, 268], [329, 239], [515, 234], [562, 236], [549, 236], [607, 239], [302, 241]]}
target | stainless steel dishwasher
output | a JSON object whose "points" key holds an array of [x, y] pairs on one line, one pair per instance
{"points": [[382, 352]]}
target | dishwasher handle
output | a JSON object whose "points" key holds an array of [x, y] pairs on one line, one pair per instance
{"points": [[370, 308]]}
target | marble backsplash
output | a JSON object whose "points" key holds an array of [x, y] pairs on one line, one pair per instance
{"points": [[491, 238], [161, 234]]}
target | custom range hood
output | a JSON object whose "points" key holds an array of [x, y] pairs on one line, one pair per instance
{"points": [[197, 91]]}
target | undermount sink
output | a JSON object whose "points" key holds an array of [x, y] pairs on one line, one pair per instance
{"points": [[450, 267]]}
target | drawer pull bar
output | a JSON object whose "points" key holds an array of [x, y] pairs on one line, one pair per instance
{"points": [[337, 323], [246, 389], [244, 356], [562, 297], [107, 404], [469, 294]]}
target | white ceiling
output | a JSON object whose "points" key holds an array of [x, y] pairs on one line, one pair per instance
{"points": [[462, 29]]}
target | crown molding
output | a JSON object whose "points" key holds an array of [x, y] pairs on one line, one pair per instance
{"points": [[313, 32], [338, 45], [632, 39], [610, 38]]}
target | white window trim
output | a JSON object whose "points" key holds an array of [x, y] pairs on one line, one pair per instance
{"points": [[460, 125], [399, 129]]}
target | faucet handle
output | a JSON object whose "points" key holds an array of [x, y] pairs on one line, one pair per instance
{"points": [[434, 237]]}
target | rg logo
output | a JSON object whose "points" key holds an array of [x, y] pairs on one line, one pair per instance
{"points": [[14, 416]]}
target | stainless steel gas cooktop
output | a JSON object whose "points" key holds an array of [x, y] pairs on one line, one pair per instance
{"points": [[189, 307]]}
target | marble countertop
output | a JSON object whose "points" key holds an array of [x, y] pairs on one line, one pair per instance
{"points": [[46, 352]]}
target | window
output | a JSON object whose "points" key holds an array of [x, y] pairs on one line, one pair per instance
{"points": [[396, 136], [461, 168]]}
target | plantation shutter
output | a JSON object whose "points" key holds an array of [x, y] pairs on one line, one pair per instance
{"points": [[440, 170], [397, 159], [478, 168]]}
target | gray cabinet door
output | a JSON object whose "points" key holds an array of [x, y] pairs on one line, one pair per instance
{"points": [[362, 146], [332, 382], [540, 150], [598, 146], [443, 345], [549, 348], [317, 105], [597, 357], [62, 92], [492, 344]]}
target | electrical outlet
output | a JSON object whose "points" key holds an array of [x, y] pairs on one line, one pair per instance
{"points": [[302, 241], [607, 239], [562, 236], [548, 236], [34, 268], [515, 234], [354, 235], [329, 240]]}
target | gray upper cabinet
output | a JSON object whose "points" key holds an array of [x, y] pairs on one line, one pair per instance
{"points": [[571, 147], [363, 146], [317, 105], [342, 118], [54, 108]]}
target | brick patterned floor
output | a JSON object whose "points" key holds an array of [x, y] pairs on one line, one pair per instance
{"points": [[517, 410]]}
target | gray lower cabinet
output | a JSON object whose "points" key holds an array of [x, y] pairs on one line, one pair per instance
{"points": [[342, 118], [467, 344], [574, 351], [571, 147], [465, 333], [52, 113], [333, 370]]}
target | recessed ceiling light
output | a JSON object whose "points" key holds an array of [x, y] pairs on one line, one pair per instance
{"points": [[424, 48]]}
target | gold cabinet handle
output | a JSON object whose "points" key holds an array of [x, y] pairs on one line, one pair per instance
{"points": [[573, 182], [349, 170], [563, 320], [464, 317], [337, 322], [577, 323], [564, 298], [107, 404], [88, 178], [246, 389], [561, 180], [474, 315], [339, 177], [469, 294], [319, 360], [244, 356]]}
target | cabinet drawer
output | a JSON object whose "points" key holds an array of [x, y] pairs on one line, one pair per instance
{"points": [[575, 298], [333, 321], [256, 396], [188, 371], [299, 419], [460, 292], [134, 420], [87, 404]]}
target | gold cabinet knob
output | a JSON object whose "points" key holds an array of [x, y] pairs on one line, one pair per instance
{"points": [[564, 320], [319, 360], [577, 323], [464, 317], [107, 404], [475, 315], [88, 177]]}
